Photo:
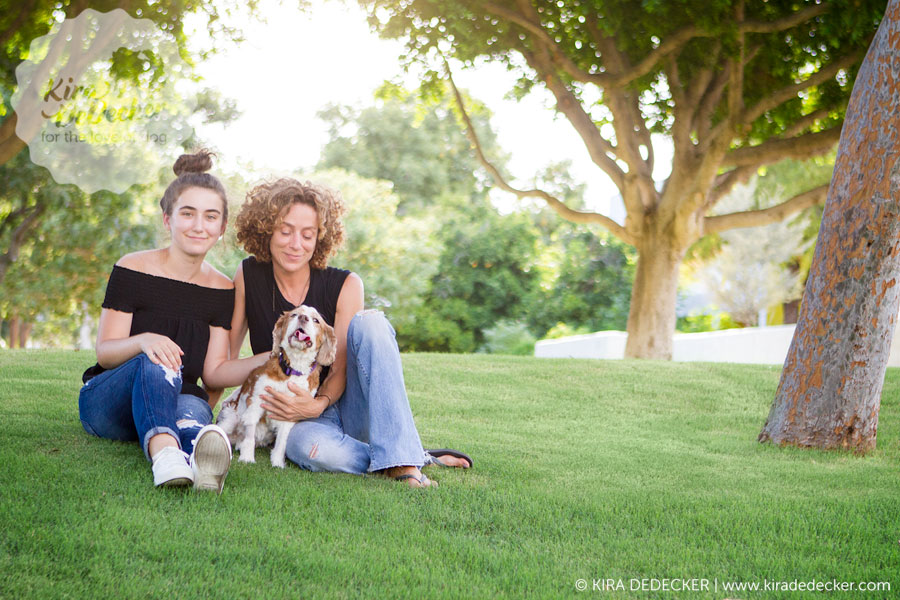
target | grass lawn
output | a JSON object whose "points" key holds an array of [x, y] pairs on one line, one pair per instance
{"points": [[584, 470]]}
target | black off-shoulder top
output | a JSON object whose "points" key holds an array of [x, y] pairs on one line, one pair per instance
{"points": [[179, 310]]}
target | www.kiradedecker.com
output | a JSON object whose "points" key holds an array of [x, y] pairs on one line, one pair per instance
{"points": [[796, 585], [679, 584]]}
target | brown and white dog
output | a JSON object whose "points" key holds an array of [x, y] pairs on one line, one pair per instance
{"points": [[302, 343]]}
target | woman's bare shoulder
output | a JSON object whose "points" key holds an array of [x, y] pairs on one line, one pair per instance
{"points": [[144, 261], [216, 279]]}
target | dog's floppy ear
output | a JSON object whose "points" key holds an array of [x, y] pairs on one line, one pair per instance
{"points": [[327, 346], [278, 332]]}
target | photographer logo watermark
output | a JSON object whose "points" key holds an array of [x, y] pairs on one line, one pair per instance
{"points": [[102, 101]]}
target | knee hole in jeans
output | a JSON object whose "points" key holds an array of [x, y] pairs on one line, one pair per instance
{"points": [[173, 378]]}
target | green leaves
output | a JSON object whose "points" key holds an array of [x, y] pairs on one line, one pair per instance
{"points": [[612, 36], [64, 262]]}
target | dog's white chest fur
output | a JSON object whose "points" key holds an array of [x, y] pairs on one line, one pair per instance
{"points": [[302, 343]]}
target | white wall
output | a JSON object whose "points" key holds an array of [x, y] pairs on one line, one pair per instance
{"points": [[765, 346], [603, 344], [757, 345]]}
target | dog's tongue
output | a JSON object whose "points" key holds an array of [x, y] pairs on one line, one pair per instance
{"points": [[303, 337]]}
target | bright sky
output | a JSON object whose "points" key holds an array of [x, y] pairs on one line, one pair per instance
{"points": [[298, 62]]}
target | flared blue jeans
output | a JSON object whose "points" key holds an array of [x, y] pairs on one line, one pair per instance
{"points": [[371, 427]]}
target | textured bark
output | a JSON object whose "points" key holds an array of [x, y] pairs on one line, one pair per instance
{"points": [[19, 331], [830, 389], [651, 316], [30, 220]]}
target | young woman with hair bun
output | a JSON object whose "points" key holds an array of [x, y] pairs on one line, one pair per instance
{"points": [[163, 310]]}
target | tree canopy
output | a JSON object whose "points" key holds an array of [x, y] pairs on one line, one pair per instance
{"points": [[56, 241], [414, 143], [736, 86]]}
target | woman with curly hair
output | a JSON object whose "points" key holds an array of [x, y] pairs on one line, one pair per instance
{"points": [[360, 420]]}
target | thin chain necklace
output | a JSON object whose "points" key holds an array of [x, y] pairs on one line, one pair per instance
{"points": [[303, 292]]}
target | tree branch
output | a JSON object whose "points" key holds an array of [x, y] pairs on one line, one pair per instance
{"points": [[543, 38], [736, 72], [24, 12], [707, 106], [683, 114], [677, 40], [725, 182], [629, 126], [598, 148], [766, 216], [776, 149], [619, 76], [644, 138], [557, 205], [777, 98], [800, 125], [783, 23], [671, 44]]}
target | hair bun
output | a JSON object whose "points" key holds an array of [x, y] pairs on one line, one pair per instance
{"points": [[199, 162]]}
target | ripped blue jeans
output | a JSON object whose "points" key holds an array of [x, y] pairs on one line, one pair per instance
{"points": [[138, 400]]}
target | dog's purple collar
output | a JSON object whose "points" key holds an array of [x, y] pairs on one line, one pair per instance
{"points": [[288, 370]]}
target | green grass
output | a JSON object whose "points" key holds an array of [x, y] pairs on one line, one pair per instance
{"points": [[584, 470]]}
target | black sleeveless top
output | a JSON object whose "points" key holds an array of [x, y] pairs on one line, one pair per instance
{"points": [[179, 310], [264, 302]]}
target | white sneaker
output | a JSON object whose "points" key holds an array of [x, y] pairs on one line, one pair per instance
{"points": [[211, 459], [171, 468]]}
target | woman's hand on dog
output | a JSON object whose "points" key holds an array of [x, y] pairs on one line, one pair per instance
{"points": [[293, 407], [161, 350]]}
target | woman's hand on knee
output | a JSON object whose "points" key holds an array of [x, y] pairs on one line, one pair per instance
{"points": [[296, 406], [161, 350]]}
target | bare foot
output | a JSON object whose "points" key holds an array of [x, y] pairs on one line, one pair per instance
{"points": [[453, 461], [411, 475], [449, 458]]}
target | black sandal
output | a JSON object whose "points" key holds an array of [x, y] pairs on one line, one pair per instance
{"points": [[436, 454], [423, 480]]}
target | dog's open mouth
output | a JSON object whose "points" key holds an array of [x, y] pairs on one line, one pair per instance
{"points": [[302, 337]]}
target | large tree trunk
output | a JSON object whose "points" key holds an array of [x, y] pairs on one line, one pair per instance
{"points": [[651, 316], [830, 389], [20, 235], [10, 144], [19, 331]]}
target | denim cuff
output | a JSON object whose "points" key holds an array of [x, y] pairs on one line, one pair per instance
{"points": [[156, 431], [418, 463]]}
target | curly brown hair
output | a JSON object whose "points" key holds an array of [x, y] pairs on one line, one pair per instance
{"points": [[268, 203]]}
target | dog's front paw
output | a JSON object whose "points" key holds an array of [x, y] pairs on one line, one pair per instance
{"points": [[247, 458], [276, 462]]}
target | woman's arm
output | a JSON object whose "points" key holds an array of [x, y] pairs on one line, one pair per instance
{"points": [[239, 318], [302, 405], [223, 368], [115, 345], [350, 301]]}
